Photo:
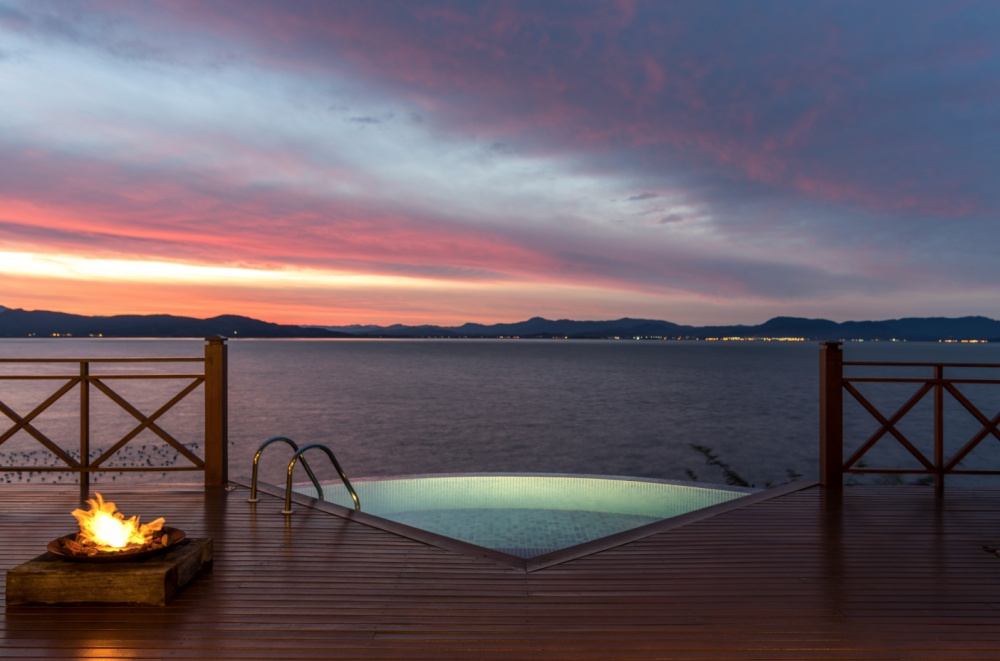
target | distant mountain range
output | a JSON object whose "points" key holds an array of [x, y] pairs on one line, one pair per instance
{"points": [[912, 329], [37, 323]]}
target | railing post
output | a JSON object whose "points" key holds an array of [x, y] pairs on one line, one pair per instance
{"points": [[939, 428], [216, 412], [831, 416], [84, 431]]}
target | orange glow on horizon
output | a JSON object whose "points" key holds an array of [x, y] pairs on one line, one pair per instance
{"points": [[362, 300], [75, 286]]}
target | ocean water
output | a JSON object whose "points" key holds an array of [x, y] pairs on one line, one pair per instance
{"points": [[399, 407]]}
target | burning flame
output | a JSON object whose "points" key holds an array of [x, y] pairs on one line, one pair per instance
{"points": [[109, 530]]}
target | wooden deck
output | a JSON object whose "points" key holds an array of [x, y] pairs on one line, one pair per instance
{"points": [[888, 573]]}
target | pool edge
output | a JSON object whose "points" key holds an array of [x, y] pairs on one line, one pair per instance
{"points": [[535, 563]]}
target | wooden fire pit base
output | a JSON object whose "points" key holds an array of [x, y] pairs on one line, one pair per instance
{"points": [[51, 580]]}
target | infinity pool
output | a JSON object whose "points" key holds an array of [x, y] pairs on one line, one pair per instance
{"points": [[526, 515]]}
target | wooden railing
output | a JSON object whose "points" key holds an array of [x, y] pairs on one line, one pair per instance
{"points": [[212, 375], [833, 385]]}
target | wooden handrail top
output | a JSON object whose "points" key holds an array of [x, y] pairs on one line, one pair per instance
{"points": [[95, 377], [847, 363], [195, 359]]}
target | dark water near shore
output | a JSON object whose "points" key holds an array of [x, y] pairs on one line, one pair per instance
{"points": [[391, 407]]}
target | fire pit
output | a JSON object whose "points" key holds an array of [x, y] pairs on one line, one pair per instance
{"points": [[112, 560], [69, 547], [107, 536]]}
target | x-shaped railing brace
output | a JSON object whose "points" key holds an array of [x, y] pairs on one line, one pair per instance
{"points": [[145, 422], [889, 426], [25, 423]]}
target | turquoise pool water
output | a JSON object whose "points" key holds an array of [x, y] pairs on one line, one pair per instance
{"points": [[526, 515]]}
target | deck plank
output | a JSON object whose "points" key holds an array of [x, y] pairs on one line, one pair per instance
{"points": [[878, 573]]}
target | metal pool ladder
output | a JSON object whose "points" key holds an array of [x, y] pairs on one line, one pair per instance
{"points": [[291, 468]]}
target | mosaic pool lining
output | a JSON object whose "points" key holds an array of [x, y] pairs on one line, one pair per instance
{"points": [[526, 515]]}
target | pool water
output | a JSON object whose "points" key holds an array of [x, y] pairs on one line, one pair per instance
{"points": [[522, 532], [526, 515]]}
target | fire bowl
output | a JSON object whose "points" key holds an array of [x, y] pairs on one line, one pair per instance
{"points": [[58, 546]]}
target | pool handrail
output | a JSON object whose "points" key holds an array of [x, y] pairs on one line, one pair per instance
{"points": [[319, 489], [256, 459]]}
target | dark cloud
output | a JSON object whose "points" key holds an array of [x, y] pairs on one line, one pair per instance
{"points": [[889, 107], [372, 120]]}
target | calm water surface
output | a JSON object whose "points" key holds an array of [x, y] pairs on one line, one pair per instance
{"points": [[391, 407]]}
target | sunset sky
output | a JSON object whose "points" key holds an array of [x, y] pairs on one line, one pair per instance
{"points": [[335, 162]]}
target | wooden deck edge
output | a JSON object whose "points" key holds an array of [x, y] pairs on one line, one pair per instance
{"points": [[538, 562], [635, 534]]}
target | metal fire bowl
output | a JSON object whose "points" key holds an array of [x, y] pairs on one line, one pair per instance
{"points": [[176, 536]]}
